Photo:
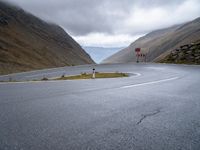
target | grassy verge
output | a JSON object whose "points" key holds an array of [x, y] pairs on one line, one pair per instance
{"points": [[97, 75], [81, 76]]}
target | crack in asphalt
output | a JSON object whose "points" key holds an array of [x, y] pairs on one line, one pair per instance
{"points": [[148, 115]]}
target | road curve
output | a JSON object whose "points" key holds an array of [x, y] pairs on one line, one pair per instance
{"points": [[156, 109]]}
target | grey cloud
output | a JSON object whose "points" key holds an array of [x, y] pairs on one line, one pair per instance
{"points": [[157, 3], [81, 17]]}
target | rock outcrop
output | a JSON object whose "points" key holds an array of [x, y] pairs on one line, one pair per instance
{"points": [[187, 54]]}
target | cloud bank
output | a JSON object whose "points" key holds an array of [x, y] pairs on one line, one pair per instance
{"points": [[111, 22]]}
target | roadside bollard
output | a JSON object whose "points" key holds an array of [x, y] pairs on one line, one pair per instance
{"points": [[93, 73]]}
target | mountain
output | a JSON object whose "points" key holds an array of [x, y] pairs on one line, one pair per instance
{"points": [[100, 53], [158, 44], [29, 43]]}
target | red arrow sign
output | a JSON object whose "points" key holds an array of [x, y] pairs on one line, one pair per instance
{"points": [[137, 50]]}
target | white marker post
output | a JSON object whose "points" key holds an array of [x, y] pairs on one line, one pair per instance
{"points": [[93, 74]]}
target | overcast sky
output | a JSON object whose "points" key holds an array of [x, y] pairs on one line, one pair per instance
{"points": [[111, 23]]}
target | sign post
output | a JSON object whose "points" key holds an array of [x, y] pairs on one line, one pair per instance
{"points": [[137, 50]]}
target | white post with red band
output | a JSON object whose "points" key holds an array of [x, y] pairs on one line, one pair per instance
{"points": [[93, 73]]}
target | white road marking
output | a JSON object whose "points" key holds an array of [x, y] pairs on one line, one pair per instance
{"points": [[148, 83], [123, 87], [136, 74]]}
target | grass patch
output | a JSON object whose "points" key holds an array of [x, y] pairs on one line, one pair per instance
{"points": [[97, 75]]}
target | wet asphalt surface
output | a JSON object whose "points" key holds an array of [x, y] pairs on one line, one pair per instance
{"points": [[158, 108]]}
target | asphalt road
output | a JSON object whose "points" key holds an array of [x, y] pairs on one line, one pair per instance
{"points": [[156, 109]]}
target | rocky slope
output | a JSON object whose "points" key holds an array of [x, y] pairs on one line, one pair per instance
{"points": [[158, 44], [28, 43], [187, 54]]}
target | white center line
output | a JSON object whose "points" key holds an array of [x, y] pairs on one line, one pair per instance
{"points": [[147, 83]]}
